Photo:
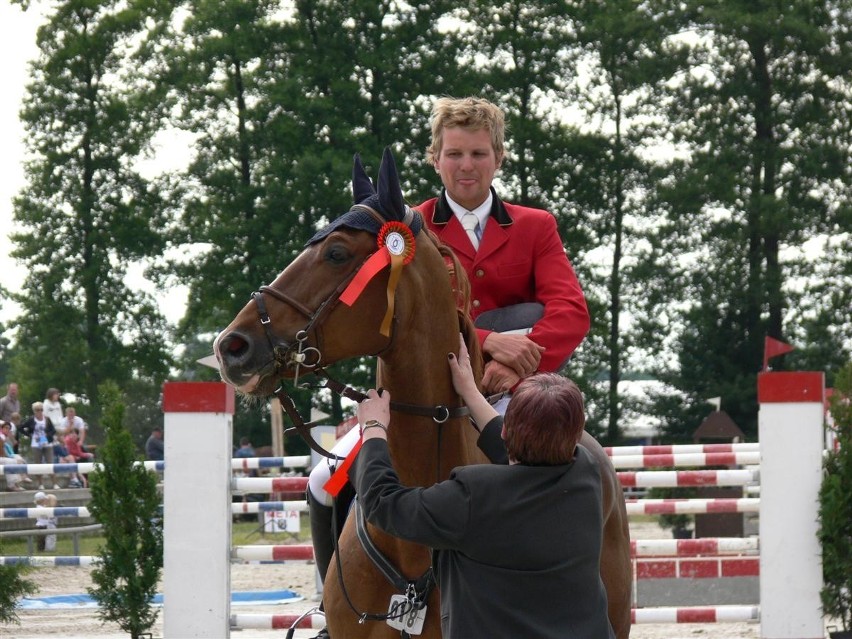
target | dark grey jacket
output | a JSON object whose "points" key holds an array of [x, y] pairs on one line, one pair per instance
{"points": [[517, 548]]}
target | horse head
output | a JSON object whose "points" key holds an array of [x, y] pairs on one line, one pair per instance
{"points": [[331, 303]]}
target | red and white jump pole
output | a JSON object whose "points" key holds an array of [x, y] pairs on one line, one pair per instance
{"points": [[197, 509], [790, 427]]}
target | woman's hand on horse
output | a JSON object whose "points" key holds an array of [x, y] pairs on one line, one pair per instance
{"points": [[465, 384], [375, 408], [460, 369], [517, 352]]}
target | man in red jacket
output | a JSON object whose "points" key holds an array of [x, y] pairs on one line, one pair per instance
{"points": [[515, 255]]}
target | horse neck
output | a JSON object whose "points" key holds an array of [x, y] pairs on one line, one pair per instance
{"points": [[415, 371]]}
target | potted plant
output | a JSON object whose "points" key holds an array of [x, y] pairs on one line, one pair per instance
{"points": [[835, 512]]}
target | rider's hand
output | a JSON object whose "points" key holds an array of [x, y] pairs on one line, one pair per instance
{"points": [[517, 352], [375, 408], [499, 378]]}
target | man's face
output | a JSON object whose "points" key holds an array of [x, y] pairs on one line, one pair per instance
{"points": [[467, 164], [13, 390]]}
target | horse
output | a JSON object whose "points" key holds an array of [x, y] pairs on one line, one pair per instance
{"points": [[336, 301]]}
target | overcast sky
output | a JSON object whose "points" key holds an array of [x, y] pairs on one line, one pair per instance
{"points": [[17, 47]]}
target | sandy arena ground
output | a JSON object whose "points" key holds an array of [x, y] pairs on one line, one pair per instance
{"points": [[84, 623]]}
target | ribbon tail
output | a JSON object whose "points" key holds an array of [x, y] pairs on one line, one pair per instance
{"points": [[338, 480], [373, 265], [396, 262]]}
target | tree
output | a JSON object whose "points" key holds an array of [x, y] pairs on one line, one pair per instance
{"points": [[126, 503], [13, 585], [759, 118], [86, 216], [835, 509]]}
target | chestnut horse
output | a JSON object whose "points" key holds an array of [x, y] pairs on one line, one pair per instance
{"points": [[408, 317]]}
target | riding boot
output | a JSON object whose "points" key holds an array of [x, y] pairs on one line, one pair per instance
{"points": [[321, 535], [325, 522]]}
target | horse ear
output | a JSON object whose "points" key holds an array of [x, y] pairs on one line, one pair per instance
{"points": [[362, 186], [390, 192]]}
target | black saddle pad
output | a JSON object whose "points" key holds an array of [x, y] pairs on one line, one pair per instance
{"points": [[510, 318]]}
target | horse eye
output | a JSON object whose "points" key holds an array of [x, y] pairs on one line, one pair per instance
{"points": [[337, 254]]}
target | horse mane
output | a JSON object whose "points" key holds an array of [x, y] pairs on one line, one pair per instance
{"points": [[461, 289]]}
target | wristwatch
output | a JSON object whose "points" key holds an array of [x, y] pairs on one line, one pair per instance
{"points": [[374, 423]]}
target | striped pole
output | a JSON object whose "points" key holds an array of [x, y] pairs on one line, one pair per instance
{"points": [[45, 560], [790, 427], [696, 614], [692, 506], [685, 459], [676, 449], [693, 547], [33, 513], [286, 552], [254, 463], [197, 509], [672, 478], [83, 468], [270, 484], [277, 622]]}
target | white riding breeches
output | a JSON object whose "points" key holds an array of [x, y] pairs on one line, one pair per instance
{"points": [[322, 471]]}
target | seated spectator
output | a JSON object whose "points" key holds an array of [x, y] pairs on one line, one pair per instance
{"points": [[72, 443], [155, 448], [8, 457], [70, 422]]}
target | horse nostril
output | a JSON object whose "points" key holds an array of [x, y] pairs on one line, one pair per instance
{"points": [[234, 347]]}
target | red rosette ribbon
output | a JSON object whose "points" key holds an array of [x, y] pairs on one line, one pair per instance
{"points": [[396, 247]]}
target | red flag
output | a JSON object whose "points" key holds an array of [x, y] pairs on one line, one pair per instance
{"points": [[773, 348]]}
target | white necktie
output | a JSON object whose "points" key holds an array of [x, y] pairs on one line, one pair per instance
{"points": [[474, 231]]}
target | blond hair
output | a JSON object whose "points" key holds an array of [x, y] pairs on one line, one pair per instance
{"points": [[467, 113]]}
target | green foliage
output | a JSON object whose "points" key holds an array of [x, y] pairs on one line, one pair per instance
{"points": [[689, 151], [13, 586], [87, 216], [835, 508], [126, 503]]}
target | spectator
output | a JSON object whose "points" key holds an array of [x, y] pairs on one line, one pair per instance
{"points": [[70, 422], [46, 542], [41, 432], [10, 403], [245, 449], [15, 422], [503, 528], [521, 260], [8, 457], [52, 406], [77, 454], [155, 448]]}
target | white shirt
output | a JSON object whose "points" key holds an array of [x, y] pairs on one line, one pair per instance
{"points": [[53, 410], [62, 425], [481, 212]]}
